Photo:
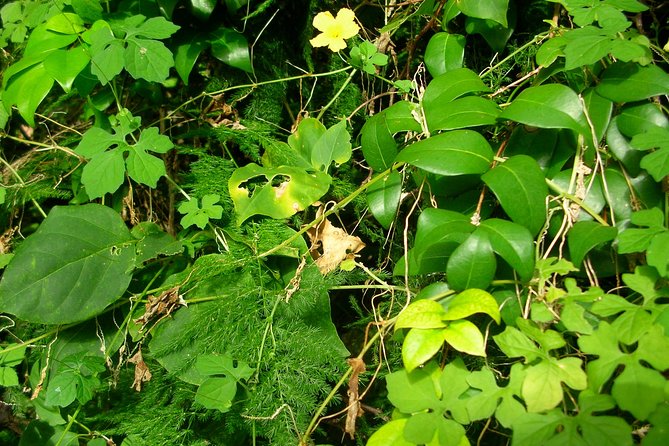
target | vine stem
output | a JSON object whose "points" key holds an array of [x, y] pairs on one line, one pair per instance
{"points": [[336, 96], [537, 40], [20, 180], [333, 210], [255, 85], [578, 201]]}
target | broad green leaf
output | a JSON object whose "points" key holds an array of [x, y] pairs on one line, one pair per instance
{"points": [[401, 117], [88, 10], [333, 145], [200, 216], [656, 255], [444, 52], [641, 117], [472, 264], [202, 9], [438, 233], [586, 235], [186, 54], [421, 344], [62, 389], [78, 262], [216, 393], [629, 81], [109, 62], [422, 313], [153, 242], [383, 198], [585, 46], [224, 365], [548, 106], [27, 91], [144, 167], [621, 148], [65, 23], [151, 140], [542, 387], [231, 47], [104, 173], [148, 59], [452, 85], [415, 391], [657, 164], [513, 243], [519, 185], [378, 145], [303, 140], [278, 153], [155, 28], [390, 434], [12, 357], [470, 111], [485, 9], [459, 152], [471, 301], [547, 339], [421, 427], [603, 343], [639, 390], [281, 192], [43, 41], [599, 112], [65, 65], [465, 337], [495, 34], [515, 343]]}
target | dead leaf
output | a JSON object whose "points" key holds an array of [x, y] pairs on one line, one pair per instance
{"points": [[354, 410], [332, 245], [142, 373], [162, 305]]}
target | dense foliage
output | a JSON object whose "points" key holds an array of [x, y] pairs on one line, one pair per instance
{"points": [[431, 222]]}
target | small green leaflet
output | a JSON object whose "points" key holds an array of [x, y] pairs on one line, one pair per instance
{"points": [[223, 373], [200, 216]]}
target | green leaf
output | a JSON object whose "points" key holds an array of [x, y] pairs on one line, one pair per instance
{"points": [[155, 28], [420, 345], [514, 344], [333, 145], [485, 9], [641, 117], [470, 111], [390, 434], [65, 23], [628, 81], [202, 9], [495, 34], [465, 337], [422, 313], [586, 235], [109, 62], [148, 59], [231, 47], [383, 198], [62, 390], [471, 301], [224, 365], [303, 140], [472, 264], [151, 139], [65, 65], [152, 242], [639, 390], [144, 167], [657, 164], [8, 377], [296, 189], [378, 145], [186, 54], [27, 91], [401, 117], [656, 255], [88, 10], [519, 185], [459, 152], [216, 393], [452, 85], [512, 242], [548, 106], [444, 52], [586, 46], [415, 391], [104, 173], [200, 216], [599, 112], [78, 262]]}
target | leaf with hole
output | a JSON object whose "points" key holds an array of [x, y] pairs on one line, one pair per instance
{"points": [[276, 192]]}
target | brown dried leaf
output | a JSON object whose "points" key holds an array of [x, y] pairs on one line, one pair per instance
{"points": [[142, 373], [162, 305], [335, 246], [354, 410]]}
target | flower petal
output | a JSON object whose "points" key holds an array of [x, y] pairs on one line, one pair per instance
{"points": [[346, 19], [320, 40], [323, 21], [336, 45]]}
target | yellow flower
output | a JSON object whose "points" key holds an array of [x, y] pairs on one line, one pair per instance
{"points": [[334, 30]]}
